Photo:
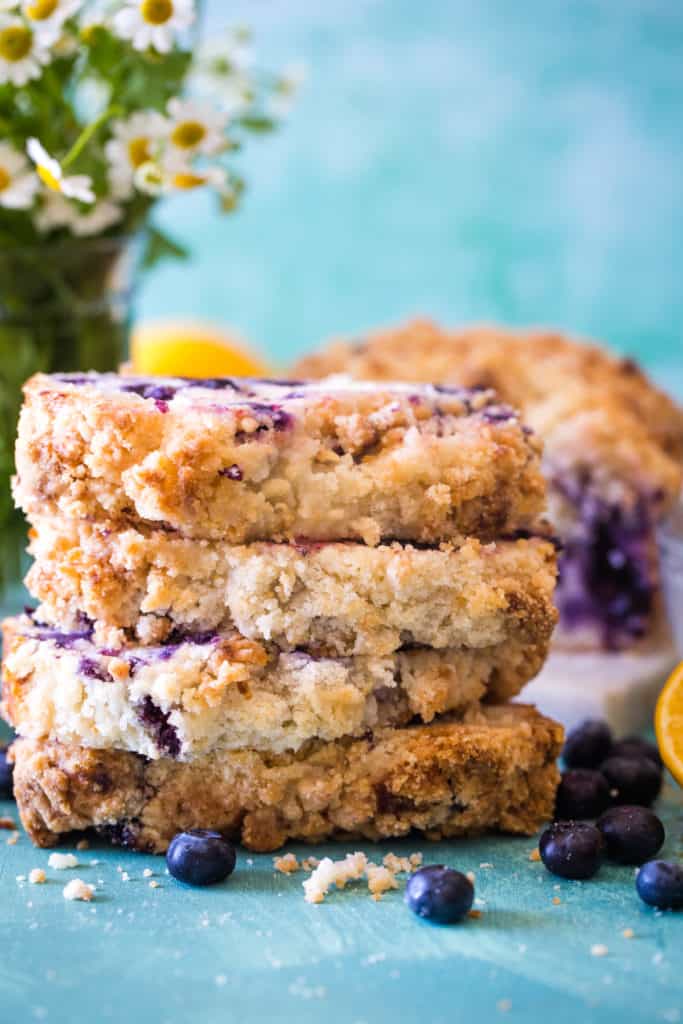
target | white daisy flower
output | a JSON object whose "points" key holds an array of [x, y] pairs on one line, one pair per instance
{"points": [[8, 5], [100, 217], [22, 53], [188, 178], [136, 141], [222, 65], [77, 186], [149, 178], [18, 184], [287, 86], [154, 23], [195, 128], [46, 17]]}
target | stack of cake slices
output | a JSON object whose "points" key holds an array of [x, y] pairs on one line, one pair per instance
{"points": [[279, 609]]}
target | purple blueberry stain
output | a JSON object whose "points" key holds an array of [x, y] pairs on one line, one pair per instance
{"points": [[231, 472], [156, 721], [94, 670]]}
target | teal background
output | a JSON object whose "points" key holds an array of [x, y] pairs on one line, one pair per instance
{"points": [[519, 162]]}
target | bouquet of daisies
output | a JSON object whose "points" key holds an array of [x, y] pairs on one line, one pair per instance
{"points": [[93, 128], [104, 108]]}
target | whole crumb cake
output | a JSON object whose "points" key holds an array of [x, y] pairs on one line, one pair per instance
{"points": [[221, 691], [613, 452], [446, 779], [336, 598], [242, 460]]}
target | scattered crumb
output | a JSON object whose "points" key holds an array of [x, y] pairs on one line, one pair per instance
{"points": [[37, 876], [658, 958], [94, 863], [13, 839], [535, 855], [21, 878], [599, 949], [147, 873], [154, 884], [82, 844], [220, 979], [380, 880], [628, 933], [125, 877], [76, 889], [8, 823], [504, 1005], [399, 865], [330, 872], [474, 914], [287, 864], [250, 861], [310, 863], [486, 865], [556, 900], [61, 861]]}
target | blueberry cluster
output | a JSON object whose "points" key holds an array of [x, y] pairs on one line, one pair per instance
{"points": [[615, 782]]}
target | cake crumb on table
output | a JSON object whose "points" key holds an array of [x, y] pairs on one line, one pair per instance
{"points": [[330, 872], [61, 861], [286, 864], [147, 873], [628, 933], [37, 876], [504, 1005], [13, 839], [402, 864], [535, 855], [8, 823], [310, 863], [474, 914], [380, 880], [599, 949], [21, 878], [556, 900], [154, 884], [77, 889]]}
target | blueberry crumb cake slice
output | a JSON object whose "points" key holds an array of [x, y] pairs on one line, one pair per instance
{"points": [[613, 449]]}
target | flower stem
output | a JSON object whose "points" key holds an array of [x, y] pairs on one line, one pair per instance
{"points": [[87, 134]]}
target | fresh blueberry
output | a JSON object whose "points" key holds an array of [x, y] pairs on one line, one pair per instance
{"points": [[439, 894], [6, 773], [571, 849], [636, 746], [660, 883], [588, 744], [631, 834], [582, 793], [200, 857], [632, 780]]}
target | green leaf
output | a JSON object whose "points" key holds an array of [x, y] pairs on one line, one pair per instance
{"points": [[160, 246]]}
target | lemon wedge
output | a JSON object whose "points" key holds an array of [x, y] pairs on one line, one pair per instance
{"points": [[669, 723], [177, 349]]}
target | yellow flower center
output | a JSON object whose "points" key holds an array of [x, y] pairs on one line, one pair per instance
{"points": [[156, 12], [15, 42], [188, 134], [5, 179], [138, 151], [48, 178], [188, 180], [40, 10]]}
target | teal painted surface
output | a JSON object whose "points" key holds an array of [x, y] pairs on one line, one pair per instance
{"points": [[473, 161], [252, 950], [515, 162]]}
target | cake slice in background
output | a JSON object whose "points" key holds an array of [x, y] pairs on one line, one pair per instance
{"points": [[612, 459]]}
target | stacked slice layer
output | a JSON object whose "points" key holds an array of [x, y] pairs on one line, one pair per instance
{"points": [[244, 460], [446, 779]]}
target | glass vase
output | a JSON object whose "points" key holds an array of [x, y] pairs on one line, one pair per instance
{"points": [[65, 306]]}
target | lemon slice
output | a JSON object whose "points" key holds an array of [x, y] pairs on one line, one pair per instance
{"points": [[177, 349], [669, 723]]}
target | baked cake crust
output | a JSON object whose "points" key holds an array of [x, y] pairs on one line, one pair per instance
{"points": [[590, 407], [243, 460], [444, 780], [223, 691], [333, 598]]}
